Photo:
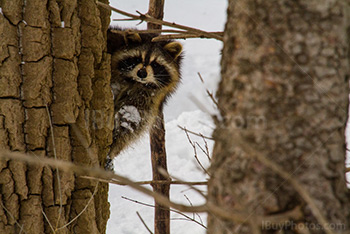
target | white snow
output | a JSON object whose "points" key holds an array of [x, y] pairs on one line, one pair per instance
{"points": [[135, 163], [1, 11], [130, 114], [62, 24], [127, 126]]}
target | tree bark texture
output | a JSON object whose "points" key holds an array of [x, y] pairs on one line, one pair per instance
{"points": [[55, 101], [284, 92], [156, 10], [157, 139], [159, 160]]}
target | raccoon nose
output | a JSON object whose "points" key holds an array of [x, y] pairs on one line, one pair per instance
{"points": [[142, 73]]}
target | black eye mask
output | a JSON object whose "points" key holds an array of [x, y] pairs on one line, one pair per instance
{"points": [[129, 63]]}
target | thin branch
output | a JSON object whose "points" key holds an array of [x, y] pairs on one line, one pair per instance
{"points": [[166, 174], [347, 169], [148, 18], [155, 31], [206, 150], [178, 36], [195, 152], [143, 222], [239, 217], [172, 210], [82, 211], [57, 171], [189, 201], [13, 217], [194, 214], [149, 182], [194, 133], [210, 94], [47, 220]]}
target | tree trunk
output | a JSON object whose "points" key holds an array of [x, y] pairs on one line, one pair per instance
{"points": [[284, 92], [55, 101], [157, 141]]}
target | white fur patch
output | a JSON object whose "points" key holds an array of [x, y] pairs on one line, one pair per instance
{"points": [[130, 114]]}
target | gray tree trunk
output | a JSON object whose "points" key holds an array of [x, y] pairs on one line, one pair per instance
{"points": [[284, 91], [55, 101]]}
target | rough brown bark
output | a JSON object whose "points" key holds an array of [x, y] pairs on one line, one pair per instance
{"points": [[156, 10], [158, 151], [55, 101], [284, 91], [159, 160]]}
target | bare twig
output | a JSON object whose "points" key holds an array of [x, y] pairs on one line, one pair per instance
{"points": [[149, 182], [172, 210], [57, 171], [165, 173], [194, 214], [47, 220], [206, 150], [148, 18], [210, 94], [194, 133], [178, 36], [189, 201], [156, 31], [195, 152], [82, 211], [143, 222], [13, 217], [347, 170]]}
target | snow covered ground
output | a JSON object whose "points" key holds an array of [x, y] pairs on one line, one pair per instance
{"points": [[189, 107], [135, 164]]}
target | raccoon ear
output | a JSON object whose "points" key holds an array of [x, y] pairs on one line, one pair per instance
{"points": [[114, 40], [174, 48], [132, 38]]}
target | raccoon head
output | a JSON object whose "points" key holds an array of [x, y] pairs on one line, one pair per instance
{"points": [[135, 58]]}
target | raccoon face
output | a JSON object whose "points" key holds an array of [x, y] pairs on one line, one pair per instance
{"points": [[152, 64]]}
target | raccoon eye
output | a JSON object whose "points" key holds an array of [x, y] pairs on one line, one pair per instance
{"points": [[129, 63], [160, 73], [155, 65]]}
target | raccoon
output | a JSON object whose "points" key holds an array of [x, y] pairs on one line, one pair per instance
{"points": [[144, 75]]}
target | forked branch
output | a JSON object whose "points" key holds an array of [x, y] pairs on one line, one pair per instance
{"points": [[186, 31]]}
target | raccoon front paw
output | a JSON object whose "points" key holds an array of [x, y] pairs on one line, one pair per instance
{"points": [[109, 166]]}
